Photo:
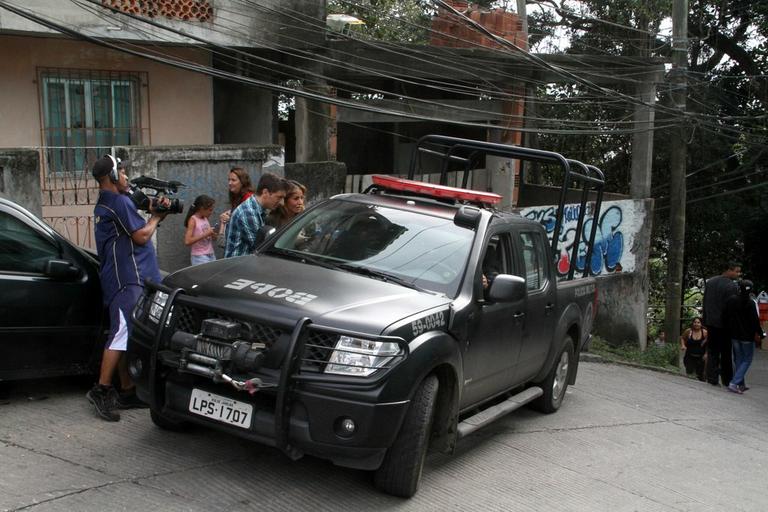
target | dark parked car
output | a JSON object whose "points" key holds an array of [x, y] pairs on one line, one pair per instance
{"points": [[51, 320]]}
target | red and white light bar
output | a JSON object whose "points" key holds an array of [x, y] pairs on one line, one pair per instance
{"points": [[433, 190]]}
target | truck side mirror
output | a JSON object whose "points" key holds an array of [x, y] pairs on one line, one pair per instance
{"points": [[507, 288], [264, 233]]}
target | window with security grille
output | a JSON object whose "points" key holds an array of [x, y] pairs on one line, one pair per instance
{"points": [[85, 113]]}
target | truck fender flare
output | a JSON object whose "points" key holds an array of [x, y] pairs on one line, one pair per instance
{"points": [[569, 322], [439, 353]]}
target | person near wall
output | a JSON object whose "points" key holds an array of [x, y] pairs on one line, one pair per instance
{"points": [[744, 328], [248, 218], [693, 343], [717, 289], [127, 258], [240, 190], [199, 234], [661, 339], [292, 206]]}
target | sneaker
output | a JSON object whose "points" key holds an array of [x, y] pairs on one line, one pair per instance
{"points": [[129, 400], [743, 387], [735, 389], [104, 400]]}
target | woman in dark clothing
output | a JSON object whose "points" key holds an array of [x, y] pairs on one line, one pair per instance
{"points": [[744, 327], [292, 206], [693, 343]]}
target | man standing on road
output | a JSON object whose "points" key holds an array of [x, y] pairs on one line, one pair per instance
{"points": [[248, 218], [127, 258], [716, 292], [745, 331]]}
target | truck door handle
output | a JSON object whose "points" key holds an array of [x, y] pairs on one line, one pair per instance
{"points": [[549, 308], [518, 315]]}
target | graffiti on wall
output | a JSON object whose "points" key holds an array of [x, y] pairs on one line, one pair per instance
{"points": [[618, 223]]}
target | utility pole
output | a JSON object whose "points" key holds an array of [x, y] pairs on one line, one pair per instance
{"points": [[522, 13], [678, 158]]}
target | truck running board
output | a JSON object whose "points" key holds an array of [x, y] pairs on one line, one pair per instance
{"points": [[491, 414]]}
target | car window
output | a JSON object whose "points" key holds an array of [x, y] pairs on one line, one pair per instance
{"points": [[22, 249], [425, 250], [533, 261]]}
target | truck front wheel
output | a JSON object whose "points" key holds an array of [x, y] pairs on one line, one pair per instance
{"points": [[556, 381], [400, 472], [166, 423]]}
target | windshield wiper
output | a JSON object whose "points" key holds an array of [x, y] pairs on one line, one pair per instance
{"points": [[379, 274], [302, 257]]}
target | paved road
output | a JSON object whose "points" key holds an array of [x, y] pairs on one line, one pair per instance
{"points": [[626, 439]]}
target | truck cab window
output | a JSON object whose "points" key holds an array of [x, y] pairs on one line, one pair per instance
{"points": [[532, 259], [496, 259]]}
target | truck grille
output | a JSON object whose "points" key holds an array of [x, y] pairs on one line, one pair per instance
{"points": [[191, 319], [317, 349]]}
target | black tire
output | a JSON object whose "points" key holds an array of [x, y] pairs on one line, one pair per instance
{"points": [[556, 382], [400, 472], [166, 423]]}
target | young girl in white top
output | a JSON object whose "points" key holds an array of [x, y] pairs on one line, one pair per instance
{"points": [[199, 235]]}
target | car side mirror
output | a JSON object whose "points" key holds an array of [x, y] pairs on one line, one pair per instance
{"points": [[60, 269], [507, 288], [264, 233]]}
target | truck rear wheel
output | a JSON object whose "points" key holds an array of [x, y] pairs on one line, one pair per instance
{"points": [[556, 381], [400, 472], [166, 423]]}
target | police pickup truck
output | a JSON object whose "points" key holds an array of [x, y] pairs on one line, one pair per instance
{"points": [[374, 327]]}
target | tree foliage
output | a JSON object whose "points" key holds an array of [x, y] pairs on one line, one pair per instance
{"points": [[727, 96], [727, 100]]}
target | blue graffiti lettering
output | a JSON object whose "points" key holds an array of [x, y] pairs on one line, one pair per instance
{"points": [[609, 239]]}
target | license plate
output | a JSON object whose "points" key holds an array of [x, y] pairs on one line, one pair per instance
{"points": [[221, 408]]}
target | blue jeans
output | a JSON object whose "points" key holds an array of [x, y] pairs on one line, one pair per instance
{"points": [[743, 351], [202, 258]]}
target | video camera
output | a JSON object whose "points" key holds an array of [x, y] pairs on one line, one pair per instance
{"points": [[156, 189]]}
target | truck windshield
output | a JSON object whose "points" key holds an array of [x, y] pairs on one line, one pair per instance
{"points": [[427, 251]]}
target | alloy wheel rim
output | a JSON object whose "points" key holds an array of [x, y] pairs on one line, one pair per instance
{"points": [[561, 375]]}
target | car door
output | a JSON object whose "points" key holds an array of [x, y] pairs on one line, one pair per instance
{"points": [[495, 331], [540, 309], [49, 320]]}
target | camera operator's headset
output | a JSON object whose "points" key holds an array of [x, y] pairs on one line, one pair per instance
{"points": [[114, 175]]}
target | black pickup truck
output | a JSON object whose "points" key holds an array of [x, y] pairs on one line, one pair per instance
{"points": [[374, 327]]}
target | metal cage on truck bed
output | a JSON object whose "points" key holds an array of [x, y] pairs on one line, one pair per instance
{"points": [[467, 153]]}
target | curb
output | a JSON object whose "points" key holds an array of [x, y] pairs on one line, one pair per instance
{"points": [[595, 358]]}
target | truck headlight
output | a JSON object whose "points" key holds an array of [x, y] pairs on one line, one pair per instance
{"points": [[360, 357], [156, 306]]}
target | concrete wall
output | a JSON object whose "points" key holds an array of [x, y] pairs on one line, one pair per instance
{"points": [[233, 22], [20, 178], [534, 195], [243, 114], [177, 105], [204, 170], [619, 243], [622, 308], [619, 259], [322, 179]]}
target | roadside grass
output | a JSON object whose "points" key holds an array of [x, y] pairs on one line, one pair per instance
{"points": [[666, 357]]}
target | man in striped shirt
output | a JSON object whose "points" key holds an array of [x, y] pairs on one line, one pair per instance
{"points": [[248, 218]]}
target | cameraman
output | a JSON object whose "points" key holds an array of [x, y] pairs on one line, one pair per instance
{"points": [[127, 256]]}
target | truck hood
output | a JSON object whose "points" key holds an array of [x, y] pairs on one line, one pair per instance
{"points": [[289, 290]]}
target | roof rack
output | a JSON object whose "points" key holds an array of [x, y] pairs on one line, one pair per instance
{"points": [[468, 152]]}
